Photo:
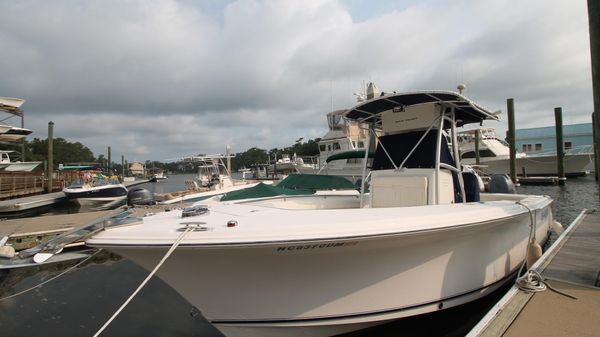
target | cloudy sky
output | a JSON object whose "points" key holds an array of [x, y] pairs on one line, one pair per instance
{"points": [[162, 79]]}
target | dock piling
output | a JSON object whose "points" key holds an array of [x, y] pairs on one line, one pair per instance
{"points": [[560, 149], [50, 156], [593, 7], [510, 107]]}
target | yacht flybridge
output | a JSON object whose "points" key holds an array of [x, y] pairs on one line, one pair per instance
{"points": [[423, 239]]}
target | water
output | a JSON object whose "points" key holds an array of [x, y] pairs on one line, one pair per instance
{"points": [[79, 303]]}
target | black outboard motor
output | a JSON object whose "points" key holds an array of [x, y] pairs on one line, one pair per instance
{"points": [[140, 196], [501, 183]]}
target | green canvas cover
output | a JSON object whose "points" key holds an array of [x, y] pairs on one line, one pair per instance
{"points": [[316, 182], [262, 191]]}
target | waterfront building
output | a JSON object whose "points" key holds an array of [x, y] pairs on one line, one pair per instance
{"points": [[544, 138]]}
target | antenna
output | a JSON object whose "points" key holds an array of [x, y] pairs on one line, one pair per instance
{"points": [[331, 93]]}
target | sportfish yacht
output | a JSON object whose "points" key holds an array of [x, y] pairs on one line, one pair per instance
{"points": [[494, 156]]}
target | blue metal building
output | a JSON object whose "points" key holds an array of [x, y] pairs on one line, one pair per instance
{"points": [[575, 136]]}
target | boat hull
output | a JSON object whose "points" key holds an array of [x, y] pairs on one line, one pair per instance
{"points": [[575, 165], [328, 287], [96, 195]]}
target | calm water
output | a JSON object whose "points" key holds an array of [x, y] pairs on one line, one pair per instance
{"points": [[78, 303]]}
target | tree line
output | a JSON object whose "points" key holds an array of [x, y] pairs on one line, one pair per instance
{"points": [[75, 152]]}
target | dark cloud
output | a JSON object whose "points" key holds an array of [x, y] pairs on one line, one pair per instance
{"points": [[161, 79]]}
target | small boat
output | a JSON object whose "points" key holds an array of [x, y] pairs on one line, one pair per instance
{"points": [[494, 156], [213, 179], [6, 164], [94, 188], [420, 239], [157, 175], [12, 133]]}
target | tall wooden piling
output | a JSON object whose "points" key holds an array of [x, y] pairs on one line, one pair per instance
{"points": [[510, 107], [50, 156], [560, 146], [594, 132], [109, 161], [594, 22], [122, 165], [477, 136]]}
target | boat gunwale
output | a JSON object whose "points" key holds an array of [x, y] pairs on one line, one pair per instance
{"points": [[259, 244]]}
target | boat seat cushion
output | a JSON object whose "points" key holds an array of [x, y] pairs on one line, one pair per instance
{"points": [[472, 193]]}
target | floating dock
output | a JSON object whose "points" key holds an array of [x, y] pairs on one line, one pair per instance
{"points": [[539, 180], [571, 266]]}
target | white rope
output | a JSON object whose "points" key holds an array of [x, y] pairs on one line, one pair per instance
{"points": [[169, 252], [531, 282], [531, 235], [51, 279]]}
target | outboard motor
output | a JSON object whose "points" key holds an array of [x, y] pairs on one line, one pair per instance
{"points": [[140, 196], [501, 183]]}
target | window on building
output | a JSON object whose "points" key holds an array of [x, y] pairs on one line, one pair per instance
{"points": [[527, 147], [329, 147], [322, 147], [538, 147], [353, 144], [568, 145], [361, 144], [336, 146]]}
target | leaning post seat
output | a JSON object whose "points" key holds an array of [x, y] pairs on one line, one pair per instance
{"points": [[414, 184], [410, 187]]}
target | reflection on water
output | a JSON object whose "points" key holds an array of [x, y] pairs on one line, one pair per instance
{"points": [[569, 199], [78, 303]]}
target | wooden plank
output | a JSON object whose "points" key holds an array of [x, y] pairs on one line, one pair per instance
{"points": [[579, 259], [550, 314]]}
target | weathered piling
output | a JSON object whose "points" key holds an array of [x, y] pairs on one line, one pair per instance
{"points": [[122, 165], [510, 107], [50, 155], [560, 147], [109, 160], [594, 132], [477, 136], [594, 22]]}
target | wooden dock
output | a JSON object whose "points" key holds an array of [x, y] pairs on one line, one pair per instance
{"points": [[571, 265]]}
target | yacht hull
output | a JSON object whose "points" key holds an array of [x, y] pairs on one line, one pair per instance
{"points": [[332, 286], [575, 165]]}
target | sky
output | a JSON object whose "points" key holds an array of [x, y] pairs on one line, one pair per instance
{"points": [[162, 79]]}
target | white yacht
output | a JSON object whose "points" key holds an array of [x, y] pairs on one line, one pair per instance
{"points": [[494, 156], [423, 239], [342, 149]]}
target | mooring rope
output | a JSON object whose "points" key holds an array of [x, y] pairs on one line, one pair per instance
{"points": [[533, 282], [531, 235], [188, 229], [51, 279]]}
